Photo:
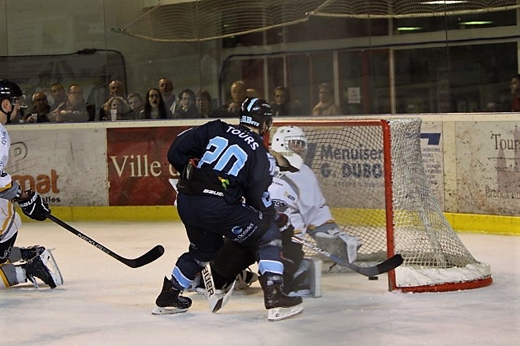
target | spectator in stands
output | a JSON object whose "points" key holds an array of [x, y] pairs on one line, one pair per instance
{"points": [[203, 102], [166, 88], [58, 95], [115, 88], [154, 106], [136, 104], [40, 110], [75, 109], [326, 105], [515, 91], [117, 107], [188, 109], [283, 105], [238, 95]]}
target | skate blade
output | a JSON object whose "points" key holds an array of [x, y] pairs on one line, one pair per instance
{"points": [[169, 310], [278, 314], [301, 293]]}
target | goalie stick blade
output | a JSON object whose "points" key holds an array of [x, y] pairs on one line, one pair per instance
{"points": [[143, 260]]}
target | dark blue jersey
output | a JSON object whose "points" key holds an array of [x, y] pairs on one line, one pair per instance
{"points": [[232, 157]]}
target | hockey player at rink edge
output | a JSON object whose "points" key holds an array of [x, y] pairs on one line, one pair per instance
{"points": [[19, 264], [222, 165], [296, 192]]}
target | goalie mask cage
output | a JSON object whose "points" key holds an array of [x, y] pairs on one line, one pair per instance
{"points": [[372, 176]]}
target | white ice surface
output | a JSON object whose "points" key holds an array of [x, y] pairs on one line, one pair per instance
{"points": [[104, 302]]}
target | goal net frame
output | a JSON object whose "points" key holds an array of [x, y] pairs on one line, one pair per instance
{"points": [[407, 216]]}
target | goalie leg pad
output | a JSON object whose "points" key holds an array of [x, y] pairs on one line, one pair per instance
{"points": [[307, 279], [50, 263], [332, 244], [45, 268], [353, 244], [315, 265], [339, 244]]}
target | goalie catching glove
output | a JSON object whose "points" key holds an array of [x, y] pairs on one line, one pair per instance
{"points": [[33, 206]]}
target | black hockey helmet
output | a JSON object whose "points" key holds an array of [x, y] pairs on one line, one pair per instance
{"points": [[257, 113], [11, 91]]}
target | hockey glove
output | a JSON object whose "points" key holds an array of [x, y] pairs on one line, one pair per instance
{"points": [[34, 206], [282, 221]]}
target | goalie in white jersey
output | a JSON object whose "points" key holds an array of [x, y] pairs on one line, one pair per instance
{"points": [[295, 191], [18, 264]]}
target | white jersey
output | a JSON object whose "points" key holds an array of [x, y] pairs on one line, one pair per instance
{"points": [[298, 195], [9, 219]]}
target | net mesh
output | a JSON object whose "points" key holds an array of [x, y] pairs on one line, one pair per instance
{"points": [[348, 160], [201, 20]]}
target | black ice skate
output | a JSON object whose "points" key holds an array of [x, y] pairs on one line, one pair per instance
{"points": [[279, 305], [28, 253], [35, 268], [169, 301]]}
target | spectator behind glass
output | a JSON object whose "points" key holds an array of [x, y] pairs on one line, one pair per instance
{"points": [[75, 109], [117, 107], [203, 101], [187, 109], [154, 106], [326, 105], [115, 88], [136, 104], [238, 95], [40, 110], [283, 105], [166, 88], [515, 92], [58, 95]]}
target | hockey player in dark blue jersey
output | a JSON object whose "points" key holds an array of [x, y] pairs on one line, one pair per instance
{"points": [[223, 192]]}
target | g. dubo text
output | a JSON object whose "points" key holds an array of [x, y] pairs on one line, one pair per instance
{"points": [[351, 162]]}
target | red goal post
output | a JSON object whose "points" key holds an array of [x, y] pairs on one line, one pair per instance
{"points": [[372, 175]]}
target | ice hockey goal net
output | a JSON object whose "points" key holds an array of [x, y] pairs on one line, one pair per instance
{"points": [[372, 175]]}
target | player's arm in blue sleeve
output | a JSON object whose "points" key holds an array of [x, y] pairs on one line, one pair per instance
{"points": [[257, 194], [192, 144], [188, 145]]}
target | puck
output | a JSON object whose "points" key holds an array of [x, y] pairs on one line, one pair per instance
{"points": [[373, 278]]}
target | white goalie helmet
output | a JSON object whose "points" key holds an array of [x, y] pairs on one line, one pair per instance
{"points": [[290, 141]]}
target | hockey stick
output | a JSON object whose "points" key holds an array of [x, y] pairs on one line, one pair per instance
{"points": [[383, 267], [216, 301], [148, 257]]}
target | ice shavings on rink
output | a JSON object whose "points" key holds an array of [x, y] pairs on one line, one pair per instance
{"points": [[431, 276]]}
